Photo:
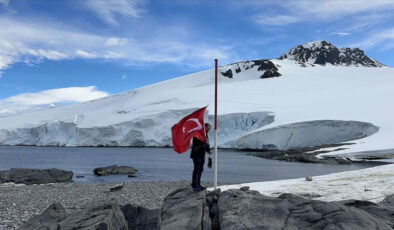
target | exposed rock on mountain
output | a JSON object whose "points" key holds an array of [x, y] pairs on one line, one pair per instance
{"points": [[323, 52], [228, 73], [267, 67]]}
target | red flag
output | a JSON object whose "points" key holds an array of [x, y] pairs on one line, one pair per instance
{"points": [[190, 126]]}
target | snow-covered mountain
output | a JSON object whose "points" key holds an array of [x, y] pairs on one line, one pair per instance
{"points": [[263, 104], [322, 53]]}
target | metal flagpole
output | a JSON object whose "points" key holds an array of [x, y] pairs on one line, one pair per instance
{"points": [[215, 172]]}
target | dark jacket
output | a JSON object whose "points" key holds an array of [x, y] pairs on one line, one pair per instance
{"points": [[199, 148]]}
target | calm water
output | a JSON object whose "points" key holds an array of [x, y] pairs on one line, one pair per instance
{"points": [[158, 164]]}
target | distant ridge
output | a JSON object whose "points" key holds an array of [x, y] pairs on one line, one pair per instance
{"points": [[323, 52]]}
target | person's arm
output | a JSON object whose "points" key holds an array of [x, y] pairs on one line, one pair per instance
{"points": [[207, 148]]}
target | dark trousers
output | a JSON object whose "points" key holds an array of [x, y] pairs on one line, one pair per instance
{"points": [[198, 169]]}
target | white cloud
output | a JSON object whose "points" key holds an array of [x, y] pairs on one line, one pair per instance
{"points": [[48, 54], [84, 54], [5, 2], [108, 10], [341, 34], [277, 20], [61, 95], [377, 38], [328, 10], [113, 41], [331, 9], [48, 98], [27, 40]]}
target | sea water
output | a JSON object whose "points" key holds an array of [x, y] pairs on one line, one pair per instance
{"points": [[158, 164]]}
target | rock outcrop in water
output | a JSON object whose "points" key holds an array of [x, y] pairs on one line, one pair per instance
{"points": [[114, 169], [35, 176]]}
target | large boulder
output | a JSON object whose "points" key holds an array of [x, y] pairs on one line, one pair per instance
{"points": [[251, 210], [184, 209], [114, 169], [388, 201], [35, 176], [48, 220], [105, 215], [140, 218], [383, 212]]}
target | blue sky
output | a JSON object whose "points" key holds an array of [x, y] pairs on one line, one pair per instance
{"points": [[65, 51]]}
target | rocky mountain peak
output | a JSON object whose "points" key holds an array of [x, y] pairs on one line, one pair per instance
{"points": [[323, 52]]}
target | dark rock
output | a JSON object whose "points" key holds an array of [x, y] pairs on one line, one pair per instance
{"points": [[323, 52], [245, 188], [183, 209], [114, 169], [245, 210], [105, 215], [80, 176], [238, 70], [35, 176], [228, 73], [48, 220], [264, 65], [270, 73], [117, 187], [388, 201], [340, 160], [383, 212], [140, 218], [305, 158], [251, 210]]}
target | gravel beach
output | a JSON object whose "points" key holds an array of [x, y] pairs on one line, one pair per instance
{"points": [[21, 202]]}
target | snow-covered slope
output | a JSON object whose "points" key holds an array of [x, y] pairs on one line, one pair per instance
{"points": [[256, 99], [372, 184]]}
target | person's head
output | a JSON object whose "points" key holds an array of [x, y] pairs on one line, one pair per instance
{"points": [[207, 127]]}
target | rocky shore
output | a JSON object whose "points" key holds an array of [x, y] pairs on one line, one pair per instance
{"points": [[308, 155], [231, 209], [21, 202]]}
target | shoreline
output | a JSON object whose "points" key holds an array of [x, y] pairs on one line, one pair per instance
{"points": [[21, 202], [305, 155]]}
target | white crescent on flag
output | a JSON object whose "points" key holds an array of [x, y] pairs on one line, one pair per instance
{"points": [[198, 127]]}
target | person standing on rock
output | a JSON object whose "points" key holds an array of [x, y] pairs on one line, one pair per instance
{"points": [[199, 148]]}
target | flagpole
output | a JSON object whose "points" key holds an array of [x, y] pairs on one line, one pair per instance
{"points": [[215, 172]]}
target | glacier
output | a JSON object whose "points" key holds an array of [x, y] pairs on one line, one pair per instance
{"points": [[153, 130], [254, 111]]}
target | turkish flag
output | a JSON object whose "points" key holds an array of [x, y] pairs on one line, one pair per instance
{"points": [[190, 126]]}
